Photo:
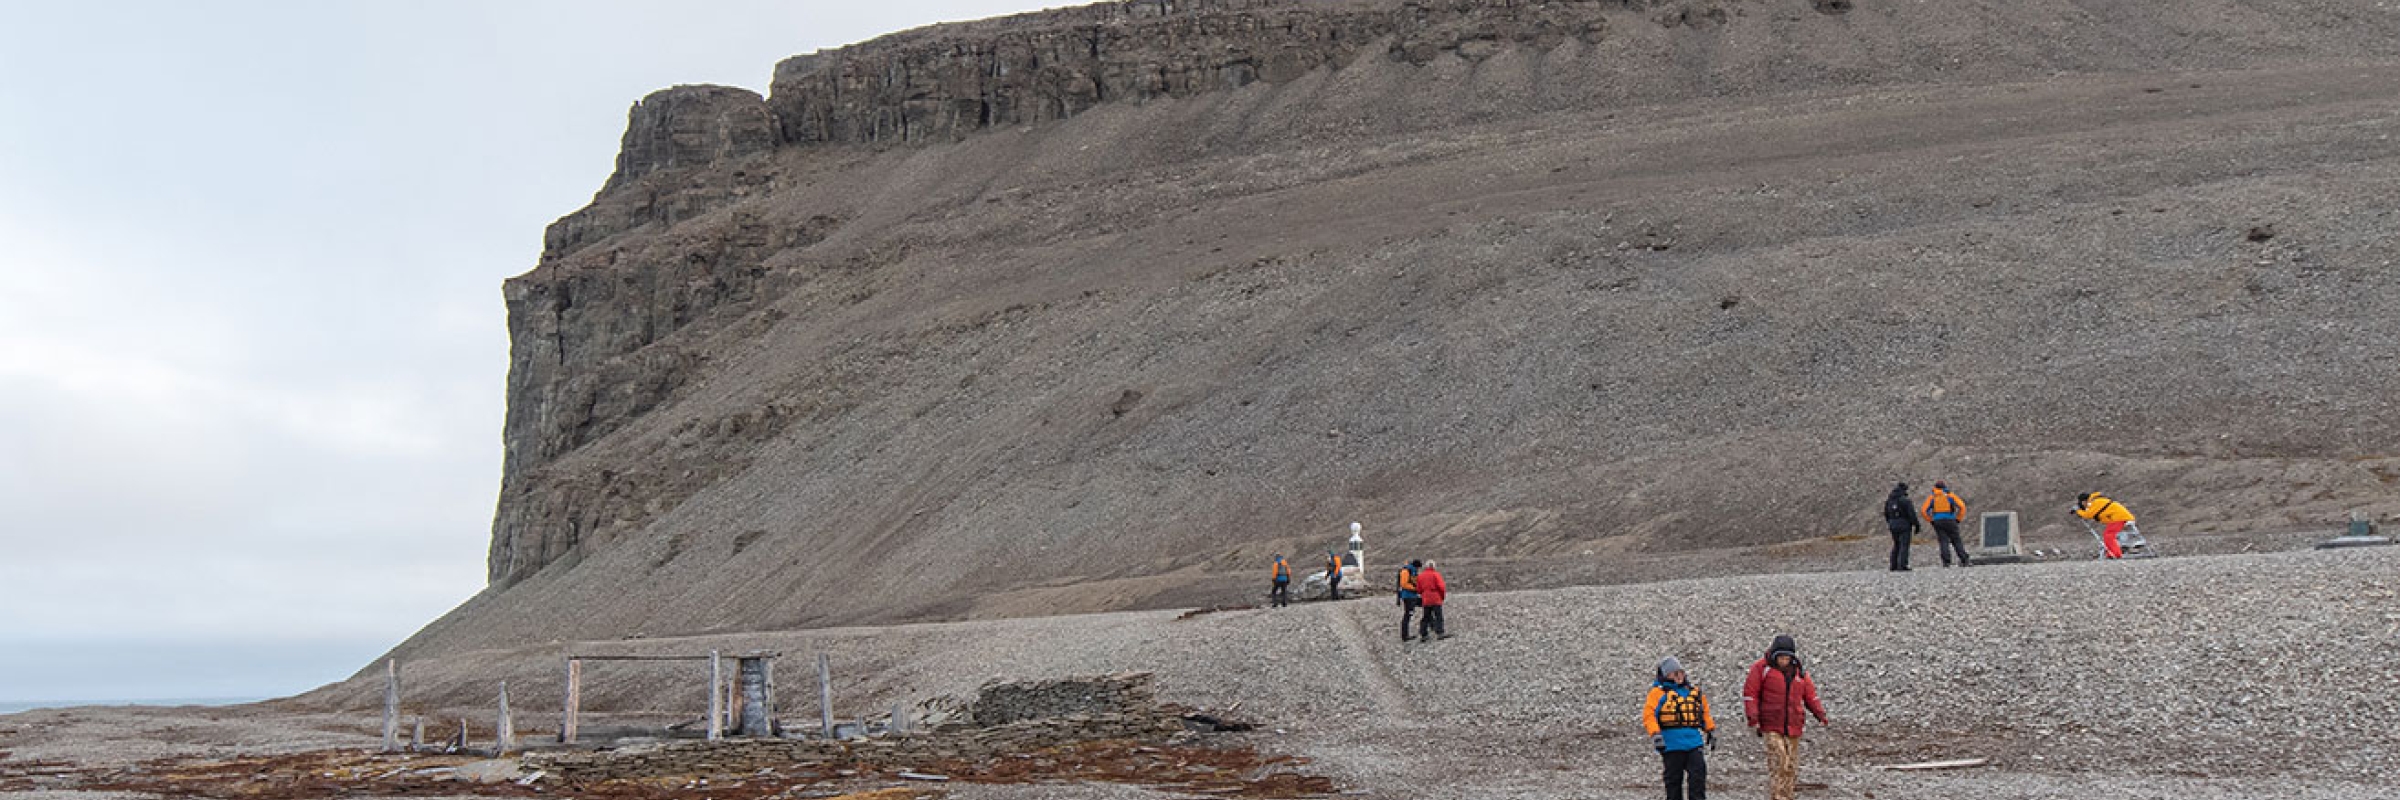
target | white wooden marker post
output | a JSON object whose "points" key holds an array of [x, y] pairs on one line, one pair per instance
{"points": [[391, 705], [574, 702], [507, 734], [825, 692], [1358, 551], [716, 696]]}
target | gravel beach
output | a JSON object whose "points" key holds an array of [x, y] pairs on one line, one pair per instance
{"points": [[2216, 676]]}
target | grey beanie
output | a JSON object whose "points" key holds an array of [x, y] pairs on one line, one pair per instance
{"points": [[1668, 666]]}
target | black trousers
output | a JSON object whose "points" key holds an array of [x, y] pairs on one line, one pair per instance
{"points": [[1686, 766], [1900, 541], [1408, 610], [1333, 583], [1432, 624], [1281, 595], [1947, 531]]}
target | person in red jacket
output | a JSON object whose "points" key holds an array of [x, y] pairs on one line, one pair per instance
{"points": [[1777, 698], [1433, 591]]}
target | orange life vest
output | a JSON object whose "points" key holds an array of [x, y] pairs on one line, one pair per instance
{"points": [[1681, 711], [1283, 569]]}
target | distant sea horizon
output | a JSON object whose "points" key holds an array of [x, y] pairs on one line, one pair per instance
{"points": [[14, 706]]}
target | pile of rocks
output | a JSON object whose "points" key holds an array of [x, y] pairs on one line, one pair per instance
{"points": [[1122, 693]]}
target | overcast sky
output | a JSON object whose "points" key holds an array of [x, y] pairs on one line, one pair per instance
{"points": [[251, 337]]}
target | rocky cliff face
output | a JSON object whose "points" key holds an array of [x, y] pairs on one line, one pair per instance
{"points": [[601, 340], [946, 82], [1095, 308]]}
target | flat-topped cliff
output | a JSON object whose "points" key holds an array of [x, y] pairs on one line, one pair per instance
{"points": [[1096, 308]]}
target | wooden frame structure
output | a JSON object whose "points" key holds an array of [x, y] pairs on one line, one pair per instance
{"points": [[749, 696]]}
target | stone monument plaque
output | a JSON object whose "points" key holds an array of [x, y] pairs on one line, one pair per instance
{"points": [[1999, 533]]}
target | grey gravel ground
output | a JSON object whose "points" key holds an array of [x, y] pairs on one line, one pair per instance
{"points": [[2220, 676]]}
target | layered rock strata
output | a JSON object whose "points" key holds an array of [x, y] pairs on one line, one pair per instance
{"points": [[1094, 308]]}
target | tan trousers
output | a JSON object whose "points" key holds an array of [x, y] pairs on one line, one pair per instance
{"points": [[1783, 767]]}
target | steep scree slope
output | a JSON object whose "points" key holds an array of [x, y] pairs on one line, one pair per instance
{"points": [[1123, 298]]}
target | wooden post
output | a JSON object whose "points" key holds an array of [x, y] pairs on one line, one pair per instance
{"points": [[391, 705], [507, 729], [757, 696], [461, 744], [899, 717], [766, 668], [733, 698], [416, 739], [716, 696], [825, 692], [574, 702]]}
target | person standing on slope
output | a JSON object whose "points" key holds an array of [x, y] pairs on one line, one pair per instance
{"points": [[1333, 575], [1281, 594], [1677, 716], [1406, 593], [1944, 509], [1777, 698], [2117, 518], [1900, 515], [1431, 591]]}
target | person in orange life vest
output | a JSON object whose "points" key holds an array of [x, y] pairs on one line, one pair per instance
{"points": [[1944, 509], [1333, 574], [1777, 698], [2118, 518], [1678, 719], [1281, 595], [1431, 591], [1406, 592]]}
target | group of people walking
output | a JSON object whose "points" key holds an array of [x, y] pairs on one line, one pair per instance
{"points": [[1778, 696], [1418, 587], [1777, 699]]}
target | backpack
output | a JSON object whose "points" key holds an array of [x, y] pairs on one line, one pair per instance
{"points": [[1895, 509]]}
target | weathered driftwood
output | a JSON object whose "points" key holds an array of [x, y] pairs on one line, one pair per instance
{"points": [[1961, 763]]}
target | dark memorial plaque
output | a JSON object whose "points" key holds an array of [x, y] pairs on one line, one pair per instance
{"points": [[1999, 532]]}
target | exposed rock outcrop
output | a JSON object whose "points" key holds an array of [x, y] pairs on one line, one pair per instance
{"points": [[692, 126], [931, 330], [947, 81]]}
